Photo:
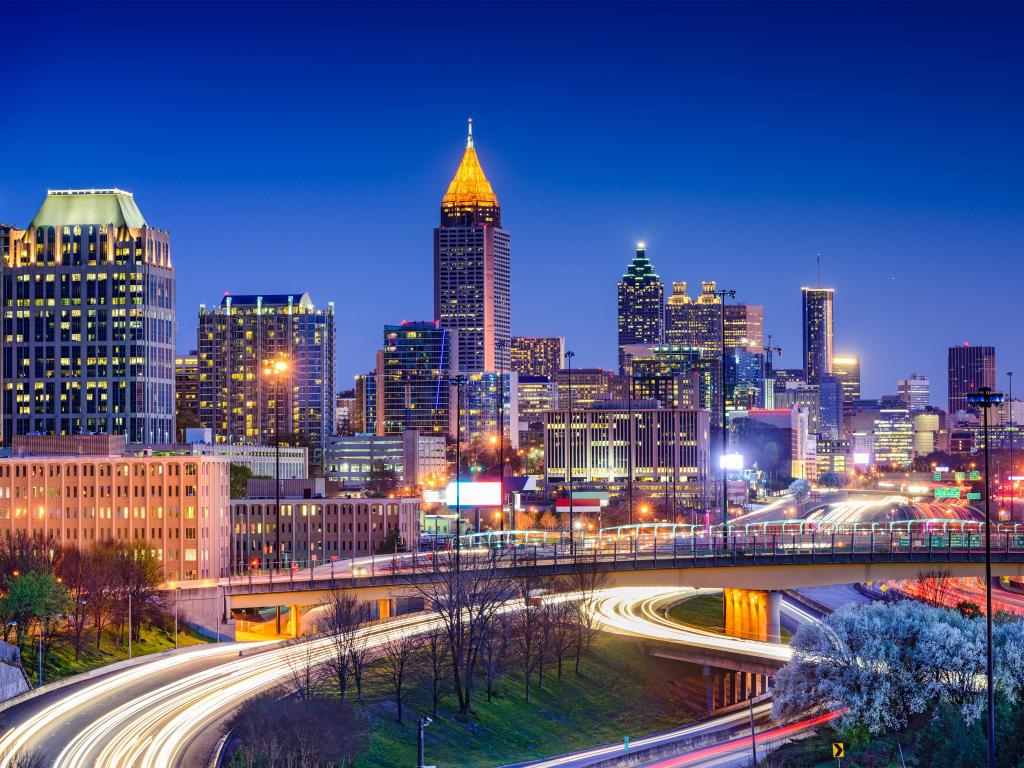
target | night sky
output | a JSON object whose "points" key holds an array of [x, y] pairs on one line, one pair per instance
{"points": [[292, 147]]}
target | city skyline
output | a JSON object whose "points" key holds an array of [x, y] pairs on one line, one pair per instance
{"points": [[896, 226]]}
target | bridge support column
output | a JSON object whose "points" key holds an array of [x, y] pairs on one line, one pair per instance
{"points": [[710, 685], [385, 608], [747, 613], [774, 621]]}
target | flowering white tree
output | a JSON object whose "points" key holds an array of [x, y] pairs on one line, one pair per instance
{"points": [[1008, 647], [887, 662]]}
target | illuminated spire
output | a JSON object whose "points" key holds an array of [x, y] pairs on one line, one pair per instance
{"points": [[469, 187]]}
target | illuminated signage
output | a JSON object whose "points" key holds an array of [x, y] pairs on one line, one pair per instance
{"points": [[483, 494], [947, 493], [975, 475], [862, 459], [974, 497], [959, 476], [731, 461]]}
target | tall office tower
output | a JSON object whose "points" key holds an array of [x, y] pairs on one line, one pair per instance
{"points": [[969, 369], [677, 316], [818, 332], [237, 342], [846, 368], [413, 376], [88, 303], [344, 412], [744, 379], [186, 393], [915, 392], [472, 291], [641, 304], [744, 327], [830, 407], [706, 320], [537, 356], [364, 420]]}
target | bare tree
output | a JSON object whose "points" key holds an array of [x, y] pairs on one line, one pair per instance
{"points": [[588, 587], [341, 619], [562, 630], [527, 630], [933, 586], [397, 656], [437, 668], [494, 650], [74, 566], [305, 670], [100, 584], [466, 592]]}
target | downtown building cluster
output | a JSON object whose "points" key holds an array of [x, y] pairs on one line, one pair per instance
{"points": [[89, 321]]}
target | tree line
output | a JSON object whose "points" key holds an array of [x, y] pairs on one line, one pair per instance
{"points": [[50, 593]]}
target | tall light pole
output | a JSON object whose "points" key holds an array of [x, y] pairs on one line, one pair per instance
{"points": [[629, 447], [722, 296], [568, 454], [1011, 427], [501, 346], [276, 371], [459, 382], [985, 398]]}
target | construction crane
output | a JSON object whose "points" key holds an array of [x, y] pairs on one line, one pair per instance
{"points": [[768, 349]]}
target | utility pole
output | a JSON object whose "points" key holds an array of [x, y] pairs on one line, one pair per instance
{"points": [[459, 382], [275, 371], [568, 455], [501, 347], [722, 296], [985, 398], [1011, 427], [629, 449]]}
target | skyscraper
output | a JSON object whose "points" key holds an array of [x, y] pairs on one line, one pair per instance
{"points": [[237, 341], [472, 293], [915, 392], [818, 333], [744, 327], [88, 313], [415, 373], [846, 368], [186, 393], [641, 304], [969, 369], [677, 316], [533, 356]]}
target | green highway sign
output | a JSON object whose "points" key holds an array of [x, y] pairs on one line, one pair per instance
{"points": [[959, 476], [975, 475], [974, 497], [947, 493]]}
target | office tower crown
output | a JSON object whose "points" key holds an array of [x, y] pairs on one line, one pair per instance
{"points": [[469, 187], [63, 207], [640, 270]]}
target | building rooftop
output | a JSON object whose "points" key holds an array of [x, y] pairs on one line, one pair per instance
{"points": [[63, 207], [469, 187], [299, 298]]}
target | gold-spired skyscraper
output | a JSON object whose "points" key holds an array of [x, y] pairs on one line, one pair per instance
{"points": [[472, 288]]}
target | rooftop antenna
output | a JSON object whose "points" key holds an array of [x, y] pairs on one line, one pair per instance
{"points": [[469, 140], [819, 252]]}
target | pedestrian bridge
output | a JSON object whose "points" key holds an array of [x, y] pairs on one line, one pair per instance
{"points": [[743, 561]]}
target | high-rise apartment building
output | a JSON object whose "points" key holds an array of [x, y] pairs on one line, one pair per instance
{"points": [[186, 393], [697, 322], [88, 320], [970, 368], [818, 332], [744, 327], [414, 377], [641, 309], [472, 290], [534, 356], [344, 412], [238, 341], [846, 368], [915, 392]]}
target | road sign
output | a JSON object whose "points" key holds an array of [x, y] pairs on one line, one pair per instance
{"points": [[838, 750], [947, 493], [974, 497], [975, 475], [625, 743]]}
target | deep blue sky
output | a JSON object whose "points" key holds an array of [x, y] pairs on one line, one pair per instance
{"points": [[306, 147]]}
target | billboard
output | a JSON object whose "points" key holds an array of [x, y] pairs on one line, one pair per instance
{"points": [[482, 494], [732, 462]]}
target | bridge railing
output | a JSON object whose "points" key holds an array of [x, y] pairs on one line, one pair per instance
{"points": [[738, 549]]}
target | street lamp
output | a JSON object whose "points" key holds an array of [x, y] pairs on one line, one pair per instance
{"points": [[568, 453], [501, 346], [459, 382], [421, 723], [276, 371], [1011, 428], [984, 399], [722, 296]]}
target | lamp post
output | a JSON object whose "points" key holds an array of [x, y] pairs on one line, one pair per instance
{"points": [[629, 447], [722, 296], [459, 382], [421, 723], [984, 399], [275, 372], [501, 346], [1011, 427], [569, 355], [177, 592]]}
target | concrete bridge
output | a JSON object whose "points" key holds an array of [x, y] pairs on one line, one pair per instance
{"points": [[750, 567]]}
